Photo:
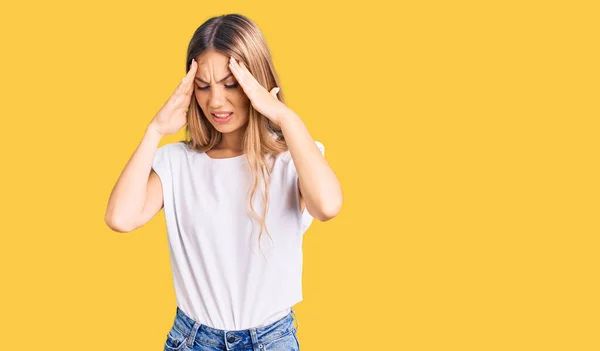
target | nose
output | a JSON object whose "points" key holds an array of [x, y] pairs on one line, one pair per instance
{"points": [[216, 98]]}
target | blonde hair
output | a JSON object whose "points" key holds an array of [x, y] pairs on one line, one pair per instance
{"points": [[237, 36]]}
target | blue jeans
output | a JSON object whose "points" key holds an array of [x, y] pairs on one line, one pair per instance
{"points": [[188, 334]]}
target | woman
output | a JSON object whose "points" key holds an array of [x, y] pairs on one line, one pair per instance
{"points": [[238, 193]]}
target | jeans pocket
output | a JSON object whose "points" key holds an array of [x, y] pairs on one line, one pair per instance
{"points": [[176, 340], [285, 342]]}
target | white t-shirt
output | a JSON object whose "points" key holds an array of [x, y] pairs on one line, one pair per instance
{"points": [[220, 276]]}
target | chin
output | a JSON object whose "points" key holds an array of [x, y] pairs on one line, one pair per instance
{"points": [[226, 129], [223, 130]]}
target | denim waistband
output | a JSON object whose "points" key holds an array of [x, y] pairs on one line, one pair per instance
{"points": [[197, 332]]}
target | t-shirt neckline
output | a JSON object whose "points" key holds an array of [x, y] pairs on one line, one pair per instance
{"points": [[226, 159]]}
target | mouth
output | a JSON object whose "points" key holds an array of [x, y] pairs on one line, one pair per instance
{"points": [[222, 117]]}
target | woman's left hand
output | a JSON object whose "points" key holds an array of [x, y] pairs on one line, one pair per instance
{"points": [[263, 101]]}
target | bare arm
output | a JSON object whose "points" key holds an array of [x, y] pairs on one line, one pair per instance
{"points": [[137, 196], [128, 197], [320, 189]]}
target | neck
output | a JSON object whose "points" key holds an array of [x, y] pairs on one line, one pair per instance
{"points": [[233, 140]]}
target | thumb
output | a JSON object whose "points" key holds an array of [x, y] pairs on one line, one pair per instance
{"points": [[274, 91]]}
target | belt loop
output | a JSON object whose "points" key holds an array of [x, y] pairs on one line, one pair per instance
{"points": [[296, 319], [254, 338], [192, 337]]}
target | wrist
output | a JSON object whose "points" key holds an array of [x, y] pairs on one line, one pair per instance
{"points": [[153, 132], [287, 117]]}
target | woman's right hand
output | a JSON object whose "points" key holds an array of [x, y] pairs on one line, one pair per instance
{"points": [[173, 115]]}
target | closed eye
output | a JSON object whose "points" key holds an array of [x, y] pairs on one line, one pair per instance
{"points": [[226, 86]]}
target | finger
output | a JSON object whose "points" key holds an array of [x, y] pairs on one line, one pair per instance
{"points": [[234, 67], [186, 104], [189, 86], [189, 77], [242, 71], [188, 89], [245, 70], [193, 68], [187, 81], [251, 83], [239, 75], [180, 87]]}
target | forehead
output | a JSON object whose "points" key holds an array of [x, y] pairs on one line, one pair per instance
{"points": [[213, 60], [212, 66]]}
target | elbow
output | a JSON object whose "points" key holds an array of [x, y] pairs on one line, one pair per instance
{"points": [[325, 217], [329, 210], [116, 225]]}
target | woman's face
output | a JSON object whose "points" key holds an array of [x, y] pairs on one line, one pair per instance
{"points": [[217, 90]]}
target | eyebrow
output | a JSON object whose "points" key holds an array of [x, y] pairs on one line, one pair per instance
{"points": [[229, 75]]}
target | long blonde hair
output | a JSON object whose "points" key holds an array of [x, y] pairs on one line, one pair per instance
{"points": [[237, 36]]}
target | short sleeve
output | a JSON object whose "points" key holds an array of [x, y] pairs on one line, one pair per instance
{"points": [[306, 217], [162, 166]]}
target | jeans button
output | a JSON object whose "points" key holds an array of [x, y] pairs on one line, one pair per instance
{"points": [[231, 338]]}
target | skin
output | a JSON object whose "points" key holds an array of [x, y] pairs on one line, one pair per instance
{"points": [[224, 96], [319, 189], [134, 202]]}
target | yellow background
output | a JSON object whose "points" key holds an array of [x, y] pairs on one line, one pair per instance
{"points": [[464, 133]]}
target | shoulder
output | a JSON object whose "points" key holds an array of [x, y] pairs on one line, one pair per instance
{"points": [[286, 156], [167, 153], [171, 149], [179, 145]]}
